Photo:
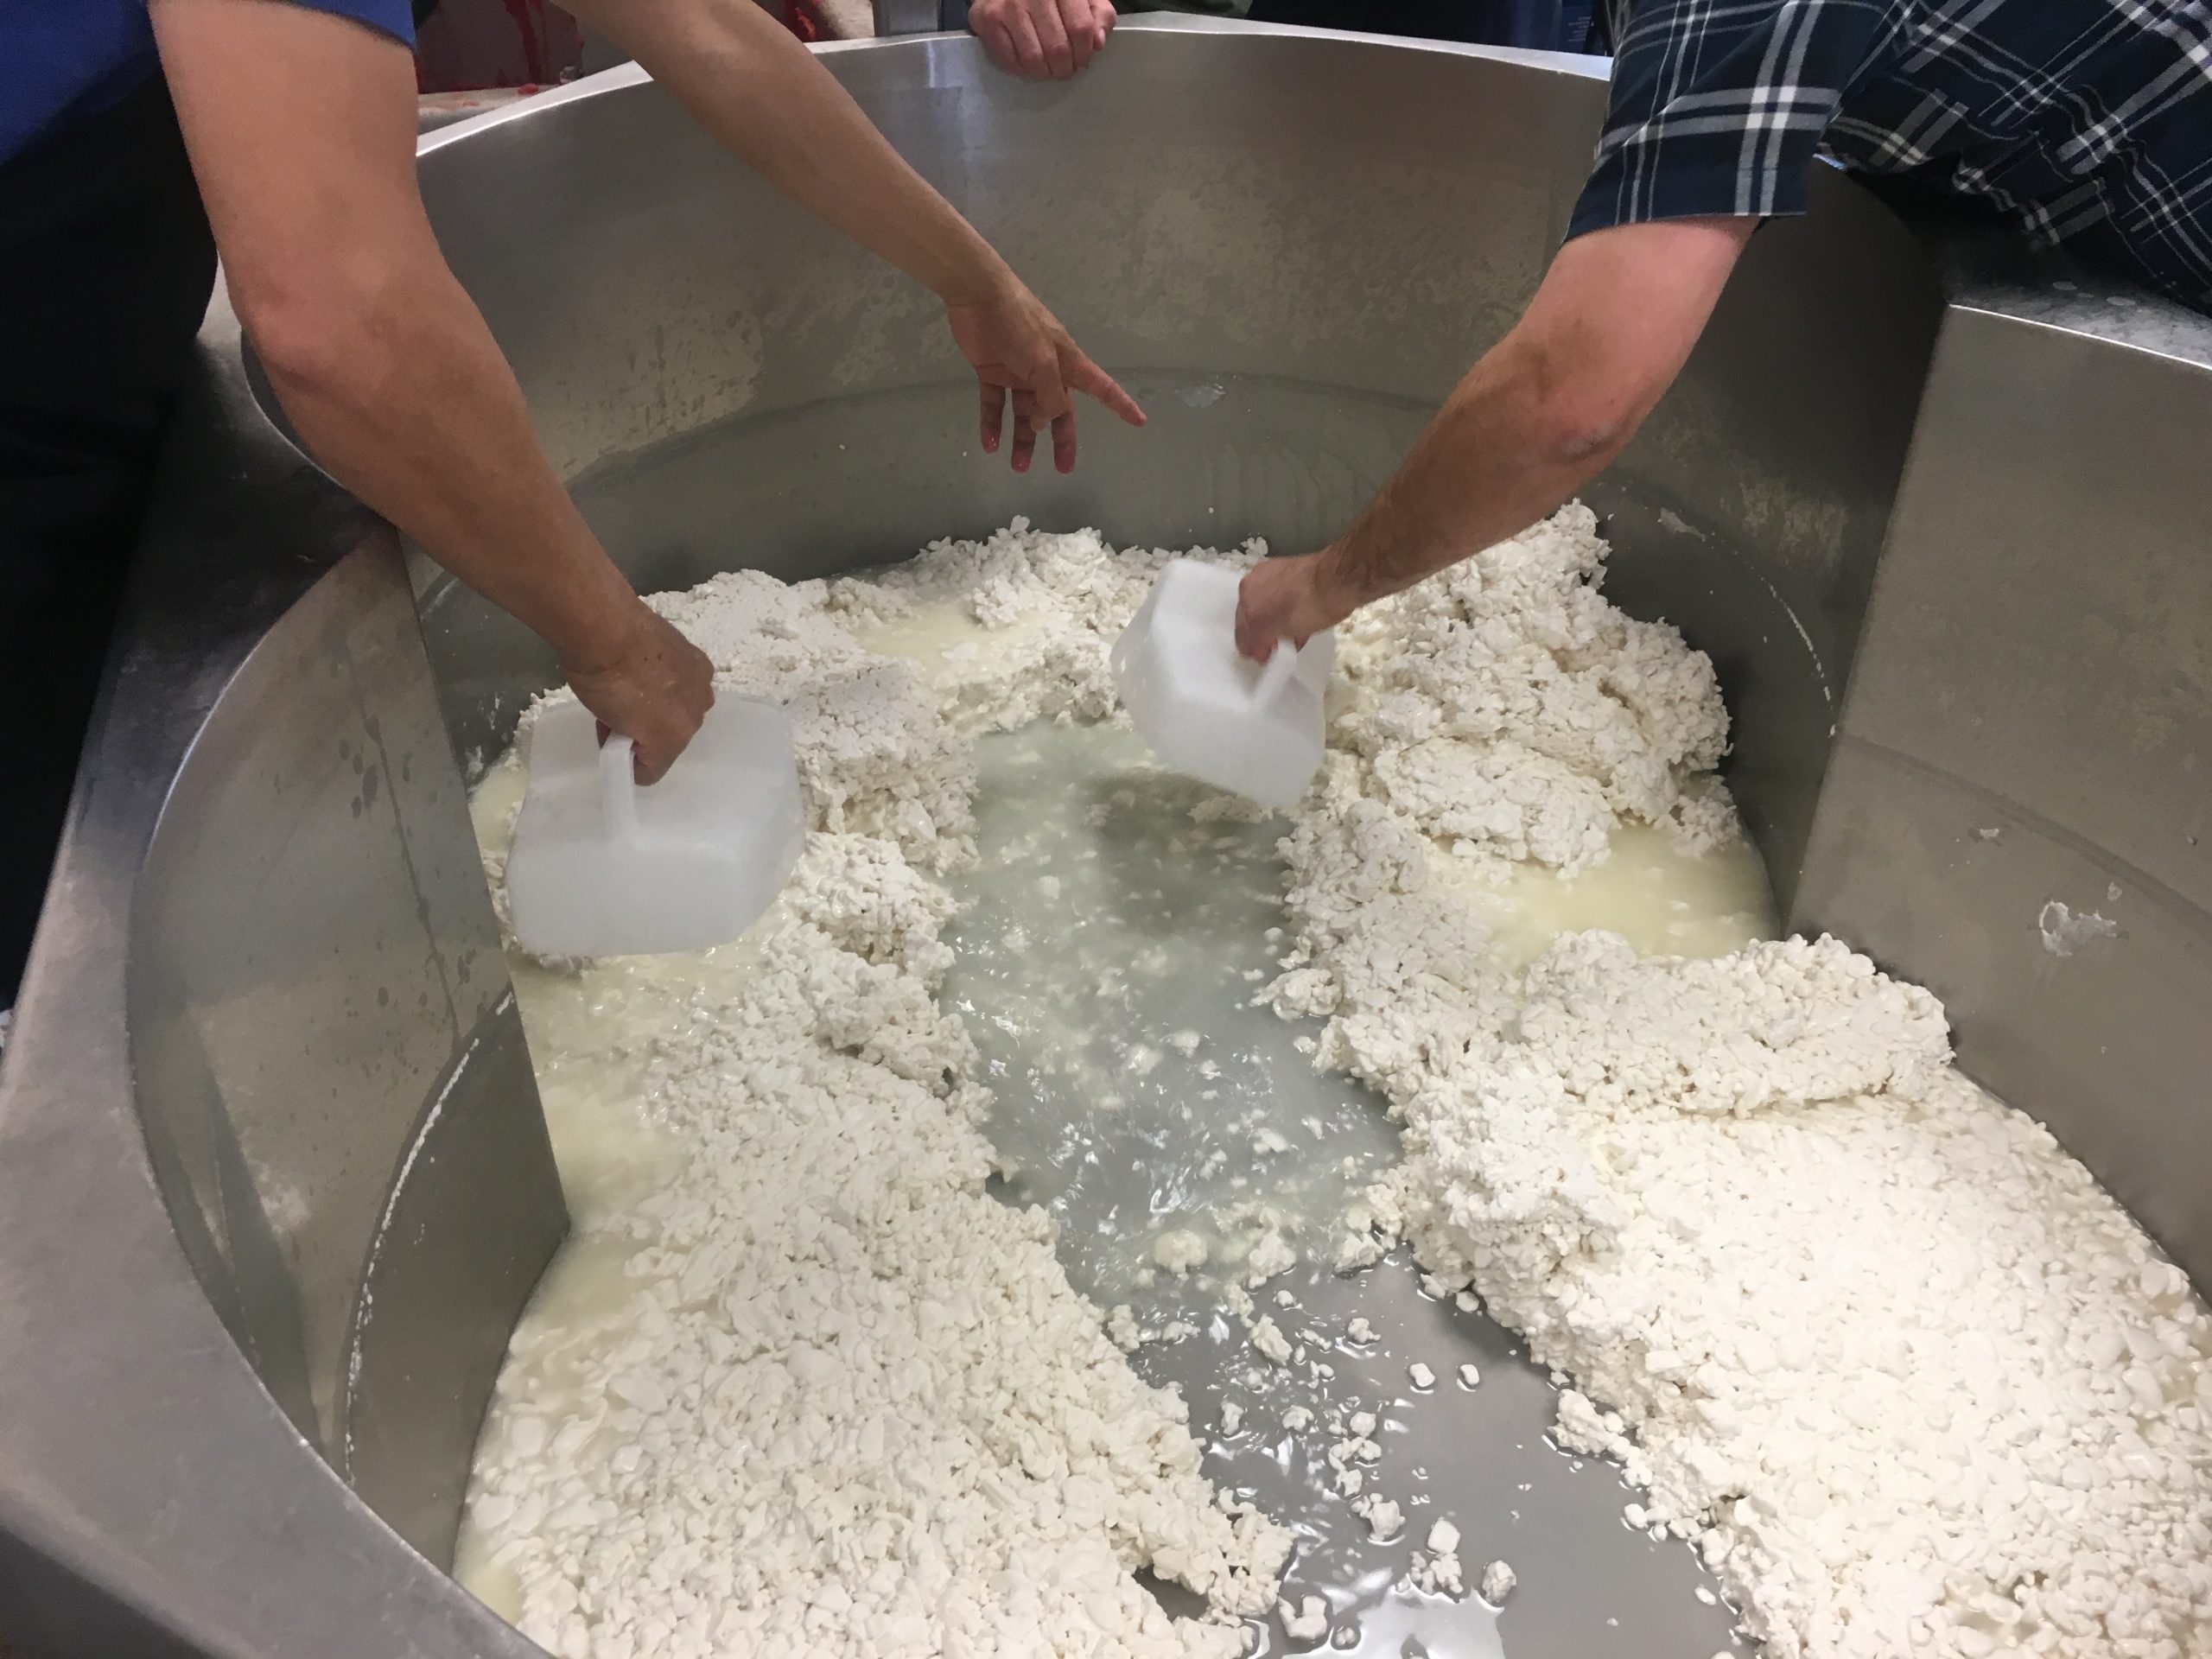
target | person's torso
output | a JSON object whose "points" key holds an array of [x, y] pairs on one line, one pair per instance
{"points": [[2030, 103], [2020, 101], [64, 60]]}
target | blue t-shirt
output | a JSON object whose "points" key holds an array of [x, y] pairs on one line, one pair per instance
{"points": [[62, 59]]}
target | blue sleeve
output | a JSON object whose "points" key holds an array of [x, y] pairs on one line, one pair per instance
{"points": [[392, 18], [64, 60]]}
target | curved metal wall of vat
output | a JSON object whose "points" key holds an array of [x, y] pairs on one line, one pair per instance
{"points": [[272, 1180], [209, 1258], [1292, 244], [2018, 812]]}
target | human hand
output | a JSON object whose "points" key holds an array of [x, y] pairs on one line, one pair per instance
{"points": [[651, 685], [1018, 347], [1041, 40], [1287, 599]]}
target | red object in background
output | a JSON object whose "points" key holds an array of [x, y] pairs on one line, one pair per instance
{"points": [[472, 45], [469, 46]]}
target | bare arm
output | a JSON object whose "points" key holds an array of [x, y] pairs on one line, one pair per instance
{"points": [[302, 130], [1545, 411], [770, 101]]}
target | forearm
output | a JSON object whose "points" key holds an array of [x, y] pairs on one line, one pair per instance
{"points": [[1542, 413], [771, 102], [301, 125], [1506, 448], [1548, 408], [395, 387]]}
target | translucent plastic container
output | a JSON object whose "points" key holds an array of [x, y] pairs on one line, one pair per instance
{"points": [[601, 867], [1210, 712]]}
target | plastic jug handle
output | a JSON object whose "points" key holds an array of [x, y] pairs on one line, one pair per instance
{"points": [[618, 785], [1281, 664]]}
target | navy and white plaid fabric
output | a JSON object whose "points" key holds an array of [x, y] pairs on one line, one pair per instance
{"points": [[2088, 121]]}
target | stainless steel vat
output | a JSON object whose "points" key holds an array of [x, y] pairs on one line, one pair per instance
{"points": [[272, 1180]]}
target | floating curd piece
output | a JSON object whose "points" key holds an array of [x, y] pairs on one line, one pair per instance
{"points": [[1497, 1582], [1309, 1623], [1440, 1574], [1384, 1519], [1181, 1250]]}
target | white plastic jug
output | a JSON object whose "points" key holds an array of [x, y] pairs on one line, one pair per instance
{"points": [[1210, 712], [601, 867]]}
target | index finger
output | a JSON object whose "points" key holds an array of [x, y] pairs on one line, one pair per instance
{"points": [[1087, 377]]}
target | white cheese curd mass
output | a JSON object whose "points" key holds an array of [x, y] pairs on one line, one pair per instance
{"points": [[1048, 1061]]}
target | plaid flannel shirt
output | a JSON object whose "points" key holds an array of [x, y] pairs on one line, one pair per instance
{"points": [[2087, 122]]}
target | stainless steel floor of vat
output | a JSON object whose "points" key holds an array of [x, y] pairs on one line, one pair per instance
{"points": [[1102, 924]]}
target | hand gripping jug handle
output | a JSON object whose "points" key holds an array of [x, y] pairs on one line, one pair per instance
{"points": [[1281, 664], [618, 786]]}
